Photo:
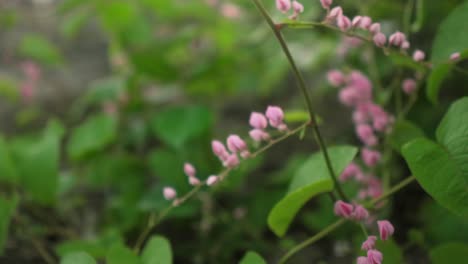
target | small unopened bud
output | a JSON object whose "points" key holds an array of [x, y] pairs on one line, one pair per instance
{"points": [[369, 243], [343, 209], [366, 134], [194, 181], [231, 161], [455, 56], [236, 144], [405, 45], [189, 170], [283, 5], [356, 21], [365, 22], [397, 38], [297, 7], [326, 3], [360, 213], [169, 193], [374, 257], [335, 12], [219, 149], [335, 78], [374, 28], [343, 22], [362, 260], [418, 55], [379, 39], [386, 229], [275, 116], [259, 135], [370, 157], [409, 86], [213, 179], [258, 120]]}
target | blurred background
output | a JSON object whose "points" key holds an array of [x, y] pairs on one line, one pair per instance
{"points": [[102, 101]]}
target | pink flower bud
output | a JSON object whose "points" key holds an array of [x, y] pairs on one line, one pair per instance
{"points": [[275, 116], [418, 55], [335, 78], [350, 171], [366, 134], [356, 21], [343, 209], [283, 5], [365, 22], [370, 157], [369, 243], [360, 213], [386, 229], [379, 39], [335, 12], [212, 180], [374, 28], [397, 38], [405, 45], [189, 170], [374, 257], [348, 96], [326, 3], [236, 144], [297, 7], [362, 260], [169, 193], [343, 22], [193, 181], [231, 161], [230, 10], [258, 120], [259, 135], [409, 86], [455, 56], [245, 154], [219, 149]]}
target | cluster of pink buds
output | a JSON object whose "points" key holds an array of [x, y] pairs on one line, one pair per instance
{"points": [[286, 5], [32, 73], [349, 211], [237, 149], [374, 256]]}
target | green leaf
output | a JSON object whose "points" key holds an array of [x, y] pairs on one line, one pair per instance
{"points": [[435, 79], [252, 258], [77, 258], [311, 179], [38, 164], [157, 251], [8, 170], [93, 135], [40, 49], [391, 251], [72, 23], [7, 210], [449, 253], [175, 126], [119, 254], [403, 132], [447, 41]]}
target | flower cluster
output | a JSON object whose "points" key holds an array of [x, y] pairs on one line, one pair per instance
{"points": [[236, 149], [286, 5]]}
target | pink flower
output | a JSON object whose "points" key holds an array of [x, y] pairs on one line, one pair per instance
{"points": [[455, 56], [343, 22], [335, 78], [193, 181], [348, 96], [343, 209], [335, 12], [297, 7], [258, 120], [326, 3], [362, 84], [189, 170], [229, 10], [350, 171], [369, 243], [259, 135], [375, 28], [283, 5], [386, 229], [405, 45], [356, 21], [362, 260], [366, 134], [219, 149], [360, 213], [275, 116], [365, 22], [418, 55], [397, 38], [231, 161], [236, 144], [212, 180], [374, 257], [169, 193], [379, 39], [370, 157], [409, 86]]}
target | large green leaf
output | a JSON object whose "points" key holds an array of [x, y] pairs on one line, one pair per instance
{"points": [[403, 132], [93, 135], [157, 251], [391, 251], [77, 258], [442, 169], [252, 258], [8, 171], [449, 253], [447, 41], [7, 210], [177, 125], [311, 179], [40, 49], [119, 254]]}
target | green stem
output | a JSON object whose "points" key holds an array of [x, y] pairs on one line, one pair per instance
{"points": [[301, 83]]}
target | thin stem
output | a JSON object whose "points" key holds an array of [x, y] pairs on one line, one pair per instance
{"points": [[43, 251], [338, 223], [301, 83]]}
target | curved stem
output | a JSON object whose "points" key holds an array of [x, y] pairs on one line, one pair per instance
{"points": [[301, 83]]}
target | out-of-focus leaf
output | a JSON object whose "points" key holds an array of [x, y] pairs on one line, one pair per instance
{"points": [[7, 210], [449, 253], [435, 79], [38, 48], [392, 252], [157, 251], [311, 179], [9, 88], [296, 116], [8, 170], [252, 258], [73, 23], [96, 248], [77, 258], [403, 132], [119, 254], [93, 135]]}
